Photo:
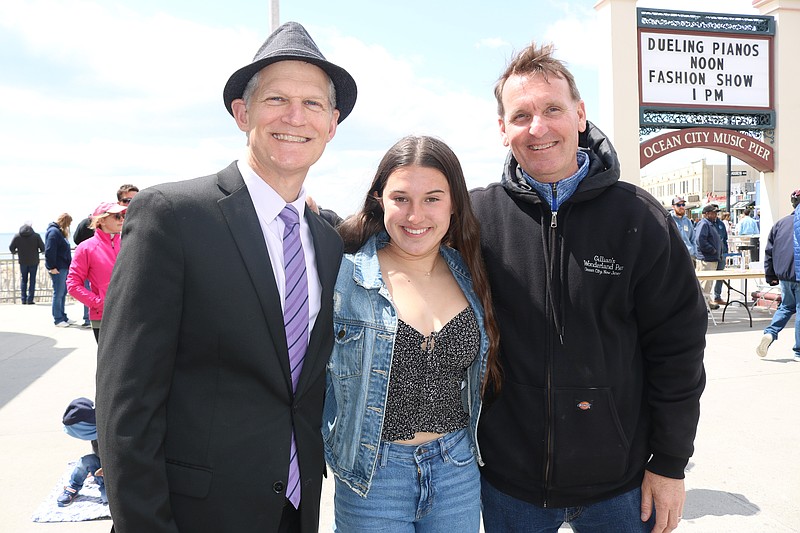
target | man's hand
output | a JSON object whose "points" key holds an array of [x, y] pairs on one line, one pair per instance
{"points": [[668, 496]]}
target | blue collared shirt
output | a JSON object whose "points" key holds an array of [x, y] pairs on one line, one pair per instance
{"points": [[557, 193]]}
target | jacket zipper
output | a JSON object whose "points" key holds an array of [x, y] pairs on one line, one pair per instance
{"points": [[549, 458]]}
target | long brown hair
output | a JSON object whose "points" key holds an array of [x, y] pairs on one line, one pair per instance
{"points": [[64, 220], [462, 235]]}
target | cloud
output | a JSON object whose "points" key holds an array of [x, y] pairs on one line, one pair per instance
{"points": [[493, 43], [571, 36], [393, 102], [743, 7], [152, 59], [97, 95], [117, 96]]}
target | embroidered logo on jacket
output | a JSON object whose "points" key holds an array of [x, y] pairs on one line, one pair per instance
{"points": [[605, 266]]}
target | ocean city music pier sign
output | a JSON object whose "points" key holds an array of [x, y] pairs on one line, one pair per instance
{"points": [[758, 155]]}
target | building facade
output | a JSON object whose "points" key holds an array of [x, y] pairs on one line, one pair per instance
{"points": [[701, 183]]}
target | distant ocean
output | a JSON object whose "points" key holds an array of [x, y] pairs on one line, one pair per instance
{"points": [[5, 239]]}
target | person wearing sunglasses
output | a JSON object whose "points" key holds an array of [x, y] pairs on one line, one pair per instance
{"points": [[126, 193], [94, 261], [83, 232], [685, 226]]}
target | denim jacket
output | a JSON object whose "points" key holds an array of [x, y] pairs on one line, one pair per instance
{"points": [[365, 323]]}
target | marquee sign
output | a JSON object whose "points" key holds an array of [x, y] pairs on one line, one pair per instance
{"points": [[705, 69]]}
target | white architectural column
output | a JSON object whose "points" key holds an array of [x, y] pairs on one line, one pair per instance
{"points": [[618, 115], [778, 185]]}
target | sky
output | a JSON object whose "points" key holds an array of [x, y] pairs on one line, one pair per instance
{"points": [[98, 93]]}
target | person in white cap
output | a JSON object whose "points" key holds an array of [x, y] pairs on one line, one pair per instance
{"points": [[218, 320]]}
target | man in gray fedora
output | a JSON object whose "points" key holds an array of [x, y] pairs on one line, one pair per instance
{"points": [[217, 325]]}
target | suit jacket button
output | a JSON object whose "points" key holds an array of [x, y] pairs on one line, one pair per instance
{"points": [[278, 487]]}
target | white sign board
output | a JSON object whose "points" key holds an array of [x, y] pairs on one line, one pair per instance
{"points": [[699, 70]]}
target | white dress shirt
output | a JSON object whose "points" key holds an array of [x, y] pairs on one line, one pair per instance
{"points": [[268, 205]]}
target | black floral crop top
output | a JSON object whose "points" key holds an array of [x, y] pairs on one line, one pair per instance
{"points": [[426, 378]]}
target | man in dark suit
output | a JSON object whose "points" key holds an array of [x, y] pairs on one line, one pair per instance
{"points": [[202, 419]]}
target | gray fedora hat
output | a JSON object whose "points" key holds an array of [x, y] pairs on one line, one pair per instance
{"points": [[292, 42]]}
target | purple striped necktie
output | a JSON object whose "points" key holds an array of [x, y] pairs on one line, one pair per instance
{"points": [[295, 321]]}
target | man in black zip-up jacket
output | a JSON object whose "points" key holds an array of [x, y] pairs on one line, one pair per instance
{"points": [[602, 325], [779, 269]]}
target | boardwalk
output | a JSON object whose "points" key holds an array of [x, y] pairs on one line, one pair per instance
{"points": [[744, 477]]}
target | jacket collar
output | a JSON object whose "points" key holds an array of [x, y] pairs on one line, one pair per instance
{"points": [[367, 268]]}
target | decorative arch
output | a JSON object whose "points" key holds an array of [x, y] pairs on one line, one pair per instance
{"points": [[758, 155]]}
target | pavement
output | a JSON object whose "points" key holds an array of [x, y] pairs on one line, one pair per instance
{"points": [[743, 478]]}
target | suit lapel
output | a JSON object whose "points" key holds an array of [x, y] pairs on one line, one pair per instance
{"points": [[237, 208], [328, 250]]}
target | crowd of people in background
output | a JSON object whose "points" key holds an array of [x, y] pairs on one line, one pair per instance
{"points": [[707, 243], [67, 272], [709, 251]]}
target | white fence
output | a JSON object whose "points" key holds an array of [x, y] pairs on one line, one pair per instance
{"points": [[10, 278]]}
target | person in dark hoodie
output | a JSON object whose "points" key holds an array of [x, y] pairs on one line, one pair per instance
{"points": [[28, 244], [602, 325], [779, 268]]}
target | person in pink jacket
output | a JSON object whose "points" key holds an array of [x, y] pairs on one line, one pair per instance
{"points": [[94, 260]]}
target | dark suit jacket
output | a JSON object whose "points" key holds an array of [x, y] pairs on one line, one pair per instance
{"points": [[194, 401]]}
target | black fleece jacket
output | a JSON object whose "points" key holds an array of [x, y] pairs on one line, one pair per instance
{"points": [[602, 327]]}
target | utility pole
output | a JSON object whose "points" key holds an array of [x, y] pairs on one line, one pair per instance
{"points": [[274, 15]]}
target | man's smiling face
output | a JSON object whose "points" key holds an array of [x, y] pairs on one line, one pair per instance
{"points": [[289, 120], [541, 125]]}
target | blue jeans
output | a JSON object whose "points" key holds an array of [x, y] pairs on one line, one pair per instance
{"points": [[505, 514], [88, 464], [790, 300], [59, 295], [86, 309], [27, 282], [432, 488]]}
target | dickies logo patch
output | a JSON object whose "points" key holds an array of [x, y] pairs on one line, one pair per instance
{"points": [[584, 405]]}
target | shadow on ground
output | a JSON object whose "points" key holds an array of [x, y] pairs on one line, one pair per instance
{"points": [[24, 359], [704, 502]]}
